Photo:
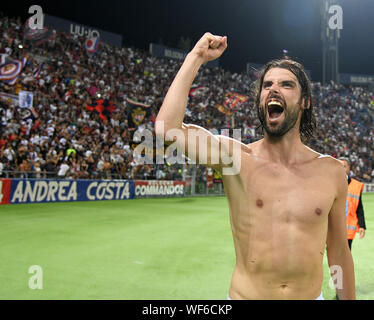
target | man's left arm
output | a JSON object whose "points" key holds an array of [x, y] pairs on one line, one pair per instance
{"points": [[338, 253]]}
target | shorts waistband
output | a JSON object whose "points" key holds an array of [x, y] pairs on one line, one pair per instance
{"points": [[320, 297]]}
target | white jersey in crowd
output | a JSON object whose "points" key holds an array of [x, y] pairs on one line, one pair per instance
{"points": [[63, 169]]}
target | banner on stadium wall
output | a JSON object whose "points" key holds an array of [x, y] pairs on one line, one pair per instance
{"points": [[363, 79], [82, 30], [368, 187], [16, 191], [161, 51], [156, 188], [5, 185]]}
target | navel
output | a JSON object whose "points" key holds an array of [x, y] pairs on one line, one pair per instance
{"points": [[259, 203], [318, 211]]}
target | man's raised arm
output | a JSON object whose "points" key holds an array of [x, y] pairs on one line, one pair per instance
{"points": [[169, 122]]}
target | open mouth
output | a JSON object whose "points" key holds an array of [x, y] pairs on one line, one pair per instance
{"points": [[275, 109]]}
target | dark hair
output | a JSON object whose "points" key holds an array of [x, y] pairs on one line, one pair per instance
{"points": [[308, 120]]}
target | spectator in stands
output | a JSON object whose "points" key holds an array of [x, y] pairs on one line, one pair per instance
{"points": [[37, 170], [25, 169], [49, 169], [63, 171]]}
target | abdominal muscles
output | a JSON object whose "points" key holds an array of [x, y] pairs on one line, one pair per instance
{"points": [[280, 256]]}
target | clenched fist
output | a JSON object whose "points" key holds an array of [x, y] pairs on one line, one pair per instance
{"points": [[210, 47]]}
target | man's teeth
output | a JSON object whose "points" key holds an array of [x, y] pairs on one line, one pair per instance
{"points": [[274, 103]]}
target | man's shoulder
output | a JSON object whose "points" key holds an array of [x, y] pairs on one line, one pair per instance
{"points": [[253, 147], [329, 160], [323, 158], [330, 170], [332, 164], [327, 163]]}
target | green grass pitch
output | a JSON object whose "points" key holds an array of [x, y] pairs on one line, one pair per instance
{"points": [[179, 248]]}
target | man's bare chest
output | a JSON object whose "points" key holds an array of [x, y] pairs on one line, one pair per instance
{"points": [[302, 194]]}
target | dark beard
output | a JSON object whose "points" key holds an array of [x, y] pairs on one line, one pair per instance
{"points": [[288, 123]]}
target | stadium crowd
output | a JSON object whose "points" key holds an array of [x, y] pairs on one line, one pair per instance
{"points": [[65, 140]]}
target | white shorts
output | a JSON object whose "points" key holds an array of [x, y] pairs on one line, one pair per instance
{"points": [[319, 298]]}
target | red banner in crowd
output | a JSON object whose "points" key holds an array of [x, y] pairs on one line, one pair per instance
{"points": [[5, 185], [103, 107], [232, 102]]}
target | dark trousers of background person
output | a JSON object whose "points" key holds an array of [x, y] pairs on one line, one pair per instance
{"points": [[350, 244]]}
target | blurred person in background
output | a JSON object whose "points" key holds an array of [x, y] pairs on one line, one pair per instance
{"points": [[354, 208]]}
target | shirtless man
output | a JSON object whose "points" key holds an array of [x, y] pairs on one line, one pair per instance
{"points": [[287, 202]]}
